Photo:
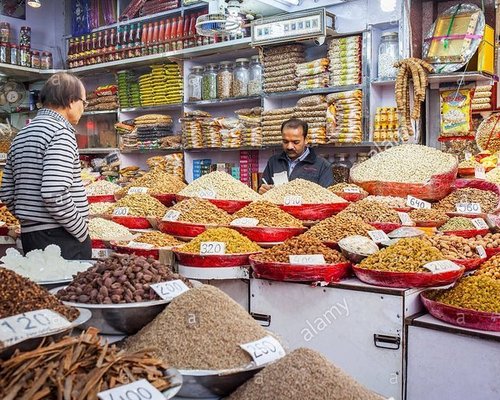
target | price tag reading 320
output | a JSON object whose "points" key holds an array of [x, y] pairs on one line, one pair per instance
{"points": [[469, 208], [212, 248], [138, 390], [264, 350], [19, 327], [292, 200], [413, 202], [170, 289]]}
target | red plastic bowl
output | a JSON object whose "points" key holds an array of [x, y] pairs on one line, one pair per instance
{"points": [[467, 233], [490, 252], [402, 209], [470, 264], [332, 245], [314, 212], [106, 198], [406, 279], [132, 222], [230, 206], [429, 224], [166, 199], [155, 253], [463, 317], [385, 226], [299, 273], [209, 261], [351, 197], [261, 234], [98, 244], [183, 229]]}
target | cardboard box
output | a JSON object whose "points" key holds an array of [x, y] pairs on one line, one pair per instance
{"points": [[484, 58]]}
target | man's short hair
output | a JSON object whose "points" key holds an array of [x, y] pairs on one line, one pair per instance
{"points": [[60, 90], [295, 123]]}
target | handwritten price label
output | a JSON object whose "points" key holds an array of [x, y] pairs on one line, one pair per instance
{"points": [[101, 253], [311, 259], [3, 157], [413, 202], [207, 194], [19, 327], [479, 172], [138, 390], [245, 222], [405, 218], [469, 208], [481, 251], [172, 215], [292, 200], [213, 248], [264, 351], [479, 223], [378, 236], [137, 189], [437, 267], [351, 189], [121, 211], [139, 245], [7, 240], [169, 290]]}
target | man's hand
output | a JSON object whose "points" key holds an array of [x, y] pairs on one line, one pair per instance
{"points": [[264, 188]]}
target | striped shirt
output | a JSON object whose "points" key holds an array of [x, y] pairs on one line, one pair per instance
{"points": [[41, 183]]}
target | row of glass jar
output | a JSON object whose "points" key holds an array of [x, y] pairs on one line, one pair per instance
{"points": [[223, 80], [22, 55]]}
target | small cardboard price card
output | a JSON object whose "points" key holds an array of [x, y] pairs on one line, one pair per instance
{"points": [[351, 189], [19, 327], [101, 253], [292, 200], [378, 236], [169, 290], [481, 251], [479, 172], [468, 155], [405, 219], [413, 202], [138, 390], [469, 208], [207, 194], [437, 267], [121, 211], [479, 223], [245, 222], [7, 240], [310, 259], [3, 157], [137, 189], [212, 248], [264, 351], [139, 245], [171, 215]]}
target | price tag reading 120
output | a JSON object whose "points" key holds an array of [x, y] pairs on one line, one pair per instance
{"points": [[264, 350], [19, 327], [413, 202], [292, 200], [138, 390], [469, 208], [212, 248], [169, 290]]}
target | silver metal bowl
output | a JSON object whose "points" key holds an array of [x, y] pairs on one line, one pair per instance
{"points": [[119, 319], [176, 380], [34, 342]]}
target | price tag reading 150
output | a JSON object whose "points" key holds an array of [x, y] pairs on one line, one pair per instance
{"points": [[264, 350], [212, 248], [139, 390]]}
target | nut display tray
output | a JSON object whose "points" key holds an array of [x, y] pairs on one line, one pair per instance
{"points": [[222, 260], [314, 212], [467, 233], [183, 229], [261, 234], [105, 198], [132, 222], [230, 206]]}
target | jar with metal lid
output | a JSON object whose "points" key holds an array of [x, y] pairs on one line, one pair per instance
{"points": [[195, 83], [388, 54], [341, 168], [35, 59], [224, 80], [3, 52], [24, 56], [25, 36], [46, 60], [209, 83], [4, 32], [255, 77], [241, 77], [14, 55]]}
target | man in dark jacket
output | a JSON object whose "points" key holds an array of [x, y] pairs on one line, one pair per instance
{"points": [[296, 161]]}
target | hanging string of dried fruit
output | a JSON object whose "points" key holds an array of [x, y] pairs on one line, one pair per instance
{"points": [[416, 70]]}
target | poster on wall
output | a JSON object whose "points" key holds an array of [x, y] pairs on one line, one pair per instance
{"points": [[13, 8]]}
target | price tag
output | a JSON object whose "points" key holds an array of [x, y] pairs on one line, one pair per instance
{"points": [[351, 189], [481, 251], [468, 155], [413, 202], [215, 248], [139, 245], [3, 157], [311, 259], [137, 189], [479, 223], [207, 194], [7, 240], [138, 390], [378, 236], [405, 219], [169, 290], [280, 178], [245, 222], [171, 215], [479, 172], [469, 208], [101, 253], [19, 327], [441, 266], [264, 351], [121, 211], [292, 200]]}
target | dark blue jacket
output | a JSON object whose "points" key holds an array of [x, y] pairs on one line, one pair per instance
{"points": [[313, 168]]}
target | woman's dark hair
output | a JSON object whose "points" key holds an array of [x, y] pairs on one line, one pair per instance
{"points": [[295, 123], [60, 90]]}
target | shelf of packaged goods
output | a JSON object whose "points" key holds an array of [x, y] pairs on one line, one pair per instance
{"points": [[147, 151], [222, 102], [316, 146], [460, 78], [308, 92], [228, 149], [100, 112], [167, 56], [26, 73], [162, 107], [98, 150]]}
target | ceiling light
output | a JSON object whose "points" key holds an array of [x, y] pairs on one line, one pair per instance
{"points": [[388, 5], [34, 3]]}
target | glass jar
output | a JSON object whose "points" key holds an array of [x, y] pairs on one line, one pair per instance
{"points": [[35, 59], [255, 77], [195, 83], [24, 56], [388, 54], [25, 36], [240, 77], [224, 80], [14, 55], [4, 32], [46, 60], [209, 83], [3, 52], [341, 168]]}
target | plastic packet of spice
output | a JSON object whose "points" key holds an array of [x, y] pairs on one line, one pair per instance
{"points": [[455, 112]]}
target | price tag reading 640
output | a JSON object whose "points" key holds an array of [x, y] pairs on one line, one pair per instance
{"points": [[214, 248], [413, 202], [138, 390], [264, 350]]}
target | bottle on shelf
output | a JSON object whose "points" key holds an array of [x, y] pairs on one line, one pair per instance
{"points": [[161, 37], [168, 34], [137, 41], [178, 35], [240, 77]]}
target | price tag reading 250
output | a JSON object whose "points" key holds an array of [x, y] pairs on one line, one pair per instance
{"points": [[139, 390], [264, 350], [212, 248]]}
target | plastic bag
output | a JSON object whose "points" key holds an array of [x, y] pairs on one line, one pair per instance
{"points": [[455, 112]]}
